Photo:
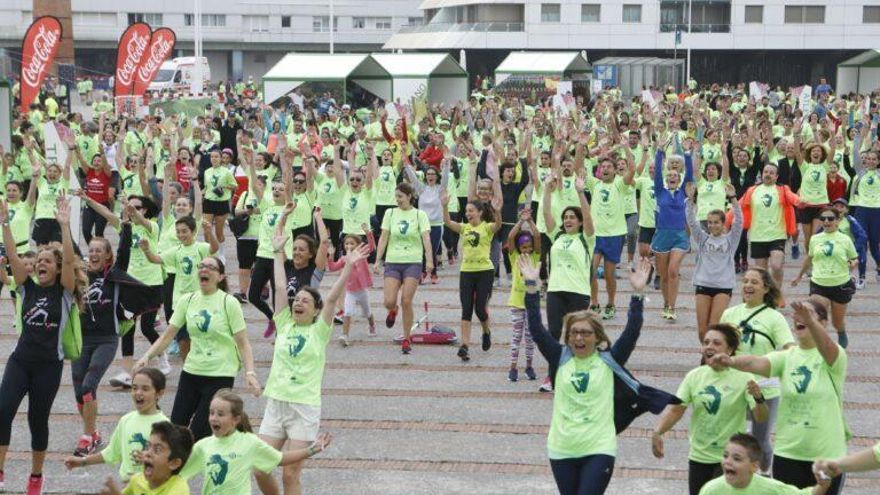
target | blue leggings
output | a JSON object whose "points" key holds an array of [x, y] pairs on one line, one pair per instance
{"points": [[588, 475], [870, 220]]}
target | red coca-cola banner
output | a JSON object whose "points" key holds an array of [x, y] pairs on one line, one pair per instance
{"points": [[161, 44], [133, 45], [38, 51]]}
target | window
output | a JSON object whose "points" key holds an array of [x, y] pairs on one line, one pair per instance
{"points": [[871, 14], [383, 23], [151, 19], [260, 58], [632, 13], [321, 24], [208, 20], [591, 12], [358, 22], [550, 12], [285, 21], [94, 18], [256, 23], [754, 14], [804, 14], [377, 23], [414, 21]]}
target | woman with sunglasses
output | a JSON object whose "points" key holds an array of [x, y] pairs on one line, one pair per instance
{"points": [[811, 423], [831, 257], [219, 347], [302, 192]]}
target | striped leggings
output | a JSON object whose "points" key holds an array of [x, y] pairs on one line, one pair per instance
{"points": [[520, 330]]}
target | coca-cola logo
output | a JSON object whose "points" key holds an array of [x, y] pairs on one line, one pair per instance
{"points": [[134, 52], [158, 51], [44, 44]]}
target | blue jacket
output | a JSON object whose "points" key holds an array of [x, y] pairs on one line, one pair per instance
{"points": [[631, 398]]}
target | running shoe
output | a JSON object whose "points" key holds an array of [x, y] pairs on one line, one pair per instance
{"points": [[434, 279], [530, 373], [35, 485], [860, 285], [512, 375], [270, 329], [123, 380], [372, 324], [609, 313], [241, 298], [343, 340], [795, 251], [665, 313], [842, 339], [487, 341], [547, 386], [405, 346], [164, 365], [463, 353], [596, 309], [671, 316], [391, 318], [88, 444]]}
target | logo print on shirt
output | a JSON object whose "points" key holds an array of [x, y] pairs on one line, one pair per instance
{"points": [[218, 468], [472, 238], [203, 320], [128, 182], [386, 176], [38, 315], [803, 376], [767, 199], [714, 399], [605, 195], [870, 180], [580, 380], [273, 217], [566, 243], [139, 439], [186, 264], [828, 248], [352, 203], [403, 225], [297, 347], [815, 175], [327, 187]]}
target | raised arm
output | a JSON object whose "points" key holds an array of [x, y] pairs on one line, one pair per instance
{"points": [[69, 259], [447, 220], [547, 202], [626, 343], [549, 346], [100, 209], [827, 347]]}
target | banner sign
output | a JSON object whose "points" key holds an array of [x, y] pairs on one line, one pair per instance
{"points": [[161, 44], [38, 49], [133, 45]]}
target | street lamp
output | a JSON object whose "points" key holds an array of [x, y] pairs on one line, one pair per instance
{"points": [[196, 83]]}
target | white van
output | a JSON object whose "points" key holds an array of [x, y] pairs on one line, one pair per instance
{"points": [[177, 73]]}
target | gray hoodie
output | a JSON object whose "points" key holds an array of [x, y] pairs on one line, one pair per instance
{"points": [[715, 267]]}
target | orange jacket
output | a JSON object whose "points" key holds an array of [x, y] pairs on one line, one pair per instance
{"points": [[787, 202]]}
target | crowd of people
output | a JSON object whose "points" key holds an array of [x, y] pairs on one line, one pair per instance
{"points": [[551, 202]]}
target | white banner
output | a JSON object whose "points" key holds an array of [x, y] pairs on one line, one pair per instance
{"points": [[805, 99], [648, 97], [56, 152]]}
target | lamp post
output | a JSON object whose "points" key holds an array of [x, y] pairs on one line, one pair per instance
{"points": [[332, 33], [196, 84], [690, 21]]}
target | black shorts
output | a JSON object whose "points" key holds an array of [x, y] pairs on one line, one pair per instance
{"points": [[841, 294], [807, 214], [701, 290], [761, 250], [246, 249], [46, 230], [646, 235], [215, 207]]}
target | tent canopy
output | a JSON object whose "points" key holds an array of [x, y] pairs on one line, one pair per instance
{"points": [[860, 74], [436, 76], [296, 69], [543, 63], [870, 58], [419, 64]]}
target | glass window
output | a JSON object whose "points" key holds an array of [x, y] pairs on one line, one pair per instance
{"points": [[358, 22], [94, 18], [383, 23], [188, 20], [754, 14], [801, 14], [414, 21], [256, 23], [285, 21], [551, 12], [632, 13], [871, 14], [151, 19], [321, 24], [591, 12]]}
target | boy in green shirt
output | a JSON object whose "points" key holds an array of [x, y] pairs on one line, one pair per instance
{"points": [[169, 448]]}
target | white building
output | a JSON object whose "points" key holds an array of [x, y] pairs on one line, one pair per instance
{"points": [[240, 37], [734, 39]]}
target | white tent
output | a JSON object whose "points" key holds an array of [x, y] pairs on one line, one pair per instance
{"points": [[859, 74], [296, 69], [436, 75], [561, 64]]}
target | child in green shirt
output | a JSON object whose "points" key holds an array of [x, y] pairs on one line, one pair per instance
{"points": [[167, 452]]}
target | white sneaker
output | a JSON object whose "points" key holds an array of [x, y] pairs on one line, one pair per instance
{"points": [[164, 365], [860, 285], [343, 341], [123, 380]]}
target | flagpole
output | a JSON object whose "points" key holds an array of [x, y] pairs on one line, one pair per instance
{"points": [[690, 21]]}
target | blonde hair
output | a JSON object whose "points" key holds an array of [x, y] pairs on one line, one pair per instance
{"points": [[570, 319], [236, 408]]}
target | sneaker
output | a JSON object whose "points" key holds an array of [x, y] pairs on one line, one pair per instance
{"points": [[596, 309], [434, 279], [609, 313], [860, 285], [656, 282], [795, 251], [123, 380], [487, 341], [35, 485], [391, 318], [405, 346], [671, 316], [665, 313], [343, 340], [173, 349], [270, 329], [463, 353], [512, 375], [842, 339], [424, 278], [530, 373], [372, 324], [497, 283], [84, 446], [546, 386], [241, 298], [164, 365]]}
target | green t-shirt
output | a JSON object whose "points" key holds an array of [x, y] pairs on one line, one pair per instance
{"points": [[212, 321], [517, 297], [476, 242], [711, 154], [830, 253], [140, 486], [272, 214], [710, 196], [405, 229], [134, 142], [302, 215], [161, 159], [184, 260], [298, 363], [131, 184], [814, 183], [329, 197], [89, 146], [766, 325], [809, 422], [47, 197], [866, 192], [464, 170], [384, 185], [583, 402], [357, 208], [248, 198], [647, 202], [607, 206], [629, 202], [570, 263], [538, 189], [219, 177], [227, 463], [560, 199], [760, 485], [139, 266], [767, 222], [132, 434], [20, 215], [720, 400]]}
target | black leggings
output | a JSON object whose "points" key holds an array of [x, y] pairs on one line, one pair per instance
{"points": [[261, 272], [334, 229], [588, 475], [505, 249], [699, 474], [168, 296], [561, 303], [800, 474], [742, 249], [546, 244], [193, 401], [450, 237], [38, 380], [475, 289], [148, 329], [87, 371], [90, 220]]}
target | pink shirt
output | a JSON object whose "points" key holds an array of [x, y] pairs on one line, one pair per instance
{"points": [[360, 278]]}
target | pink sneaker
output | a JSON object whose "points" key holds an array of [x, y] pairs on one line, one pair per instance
{"points": [[35, 485]]}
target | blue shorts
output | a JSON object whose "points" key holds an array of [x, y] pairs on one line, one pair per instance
{"points": [[401, 271], [610, 247], [666, 240]]}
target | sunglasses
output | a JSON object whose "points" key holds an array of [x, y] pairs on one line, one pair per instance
{"points": [[826, 218], [299, 181]]}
